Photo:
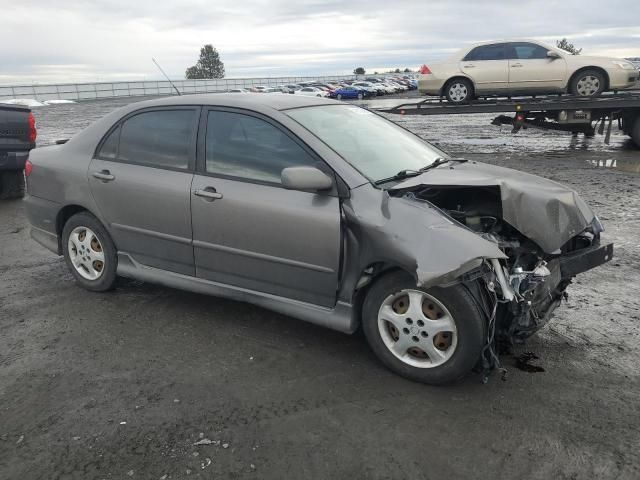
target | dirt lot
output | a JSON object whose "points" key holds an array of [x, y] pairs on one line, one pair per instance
{"points": [[122, 385]]}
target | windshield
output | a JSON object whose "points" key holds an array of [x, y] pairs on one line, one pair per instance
{"points": [[374, 146]]}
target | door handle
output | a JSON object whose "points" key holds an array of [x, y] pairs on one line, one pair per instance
{"points": [[515, 65], [208, 194], [469, 66], [104, 175]]}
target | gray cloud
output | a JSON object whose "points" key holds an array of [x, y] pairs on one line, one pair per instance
{"points": [[77, 40]]}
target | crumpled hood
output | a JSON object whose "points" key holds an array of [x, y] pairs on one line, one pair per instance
{"points": [[544, 211]]}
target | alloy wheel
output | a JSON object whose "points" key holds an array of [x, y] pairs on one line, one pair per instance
{"points": [[86, 253], [588, 85], [458, 92], [417, 328]]}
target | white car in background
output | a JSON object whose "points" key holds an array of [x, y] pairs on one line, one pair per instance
{"points": [[312, 92], [523, 67]]}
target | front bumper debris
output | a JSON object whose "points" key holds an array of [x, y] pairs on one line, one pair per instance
{"points": [[585, 259]]}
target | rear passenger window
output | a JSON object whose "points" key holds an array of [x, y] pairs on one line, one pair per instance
{"points": [[529, 51], [109, 148], [487, 52], [243, 146], [159, 138]]}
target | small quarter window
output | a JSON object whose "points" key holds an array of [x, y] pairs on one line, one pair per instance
{"points": [[109, 148]]}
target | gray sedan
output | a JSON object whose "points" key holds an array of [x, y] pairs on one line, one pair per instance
{"points": [[320, 210]]}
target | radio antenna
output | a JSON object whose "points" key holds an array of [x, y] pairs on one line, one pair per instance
{"points": [[166, 76]]}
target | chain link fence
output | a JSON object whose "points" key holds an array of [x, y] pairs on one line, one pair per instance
{"points": [[92, 91]]}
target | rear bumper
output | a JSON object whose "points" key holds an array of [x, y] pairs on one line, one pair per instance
{"points": [[42, 216], [585, 259], [430, 84], [13, 160]]}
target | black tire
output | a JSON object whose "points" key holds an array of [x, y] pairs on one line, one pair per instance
{"points": [[463, 94], [635, 131], [594, 83], [469, 322], [107, 278], [11, 184]]}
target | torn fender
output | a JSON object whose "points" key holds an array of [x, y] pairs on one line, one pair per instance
{"points": [[413, 235], [542, 210]]}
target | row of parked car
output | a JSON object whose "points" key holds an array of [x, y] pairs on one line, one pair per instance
{"points": [[368, 87]]}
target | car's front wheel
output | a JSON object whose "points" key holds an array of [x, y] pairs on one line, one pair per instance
{"points": [[89, 252], [432, 336], [339, 96], [587, 83], [360, 96]]}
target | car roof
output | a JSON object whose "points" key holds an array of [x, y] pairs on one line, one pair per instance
{"points": [[252, 102]]}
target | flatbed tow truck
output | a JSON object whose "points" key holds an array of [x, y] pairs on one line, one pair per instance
{"points": [[570, 113]]}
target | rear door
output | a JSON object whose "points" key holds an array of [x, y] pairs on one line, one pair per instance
{"points": [[248, 230], [488, 67], [141, 179], [530, 70]]}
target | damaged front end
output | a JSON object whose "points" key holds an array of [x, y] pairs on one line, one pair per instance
{"points": [[529, 279]]}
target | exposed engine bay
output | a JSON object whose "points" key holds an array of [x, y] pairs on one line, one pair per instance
{"points": [[530, 283]]}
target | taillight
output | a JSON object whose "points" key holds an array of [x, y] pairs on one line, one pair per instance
{"points": [[33, 133], [28, 168], [424, 70]]}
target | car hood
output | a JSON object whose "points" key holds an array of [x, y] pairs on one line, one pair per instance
{"points": [[542, 210]]}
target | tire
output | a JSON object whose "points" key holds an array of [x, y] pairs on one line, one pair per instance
{"points": [[84, 251], [339, 96], [587, 83], [452, 352], [11, 184], [459, 90], [635, 131], [360, 96]]}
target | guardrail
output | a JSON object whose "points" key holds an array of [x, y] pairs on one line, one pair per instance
{"points": [[92, 91]]}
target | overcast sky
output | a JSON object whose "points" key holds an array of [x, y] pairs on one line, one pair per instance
{"points": [[89, 40]]}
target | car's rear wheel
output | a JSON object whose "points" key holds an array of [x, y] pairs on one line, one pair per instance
{"points": [[89, 252], [360, 96], [587, 83], [431, 335], [459, 90]]}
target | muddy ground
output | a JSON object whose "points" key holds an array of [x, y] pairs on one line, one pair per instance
{"points": [[123, 384]]}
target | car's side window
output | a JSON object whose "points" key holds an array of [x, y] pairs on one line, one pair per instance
{"points": [[528, 51], [248, 147], [159, 138], [109, 148], [487, 52]]}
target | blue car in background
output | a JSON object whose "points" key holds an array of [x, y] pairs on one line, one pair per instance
{"points": [[349, 92]]}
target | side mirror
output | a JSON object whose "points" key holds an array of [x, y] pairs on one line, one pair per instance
{"points": [[305, 178], [553, 55]]}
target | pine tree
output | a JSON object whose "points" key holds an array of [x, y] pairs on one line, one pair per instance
{"points": [[209, 65], [568, 47]]}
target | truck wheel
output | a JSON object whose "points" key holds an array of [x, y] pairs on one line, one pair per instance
{"points": [[11, 184], [89, 252], [635, 131], [587, 83], [459, 90], [432, 336]]}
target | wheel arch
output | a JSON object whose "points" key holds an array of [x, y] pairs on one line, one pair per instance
{"points": [[368, 277], [592, 67], [457, 77], [64, 214]]}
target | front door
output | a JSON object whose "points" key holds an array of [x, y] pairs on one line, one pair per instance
{"points": [[530, 70], [248, 230], [141, 181], [488, 67]]}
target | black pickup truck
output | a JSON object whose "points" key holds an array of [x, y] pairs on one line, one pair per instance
{"points": [[17, 137]]}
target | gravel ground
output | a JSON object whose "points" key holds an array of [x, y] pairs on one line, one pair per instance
{"points": [[124, 384]]}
